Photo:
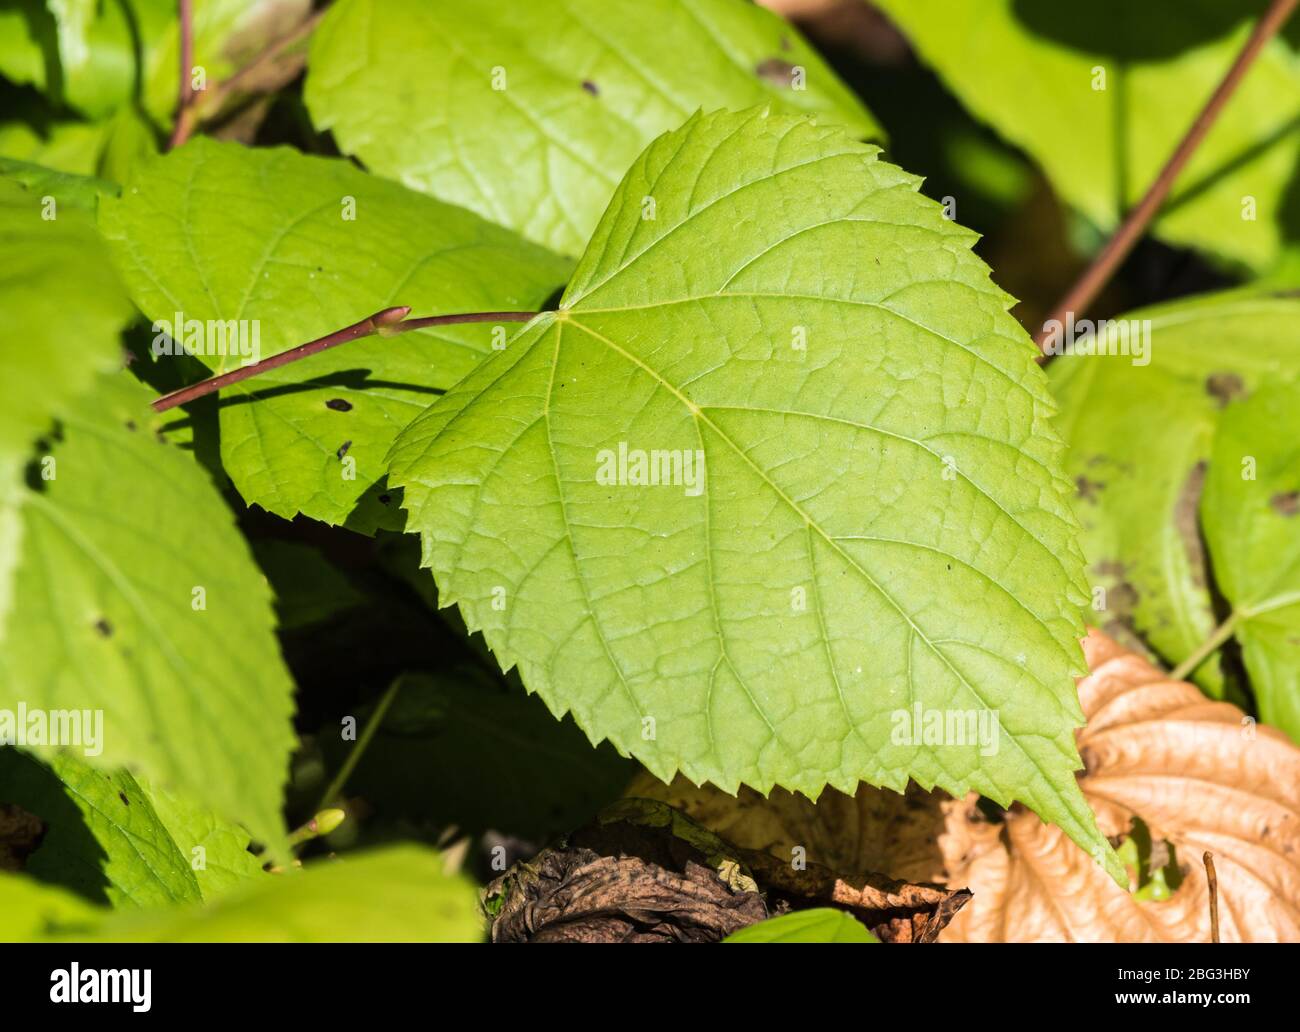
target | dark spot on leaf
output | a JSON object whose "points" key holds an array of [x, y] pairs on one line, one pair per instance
{"points": [[384, 499], [591, 87], [125, 800], [1088, 489], [1122, 600], [343, 449], [785, 42], [104, 627], [1285, 503], [130, 424], [1224, 388], [339, 405], [775, 70]]}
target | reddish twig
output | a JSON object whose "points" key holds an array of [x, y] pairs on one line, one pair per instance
{"points": [[1213, 881], [1103, 267], [187, 116], [185, 15], [388, 321]]}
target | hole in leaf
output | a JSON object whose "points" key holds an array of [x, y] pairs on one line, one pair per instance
{"points": [[1154, 873]]}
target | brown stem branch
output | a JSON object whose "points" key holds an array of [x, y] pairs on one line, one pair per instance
{"points": [[187, 117], [387, 322], [1213, 880], [185, 95], [1103, 267]]}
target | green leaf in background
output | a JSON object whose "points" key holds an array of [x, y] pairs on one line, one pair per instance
{"points": [[138, 597], [299, 247], [67, 146], [228, 34], [392, 895], [1031, 69], [31, 910], [1139, 438], [530, 112], [308, 588], [127, 139], [28, 43], [1251, 514], [820, 924], [101, 57], [108, 838], [863, 510], [34, 133], [464, 749]]}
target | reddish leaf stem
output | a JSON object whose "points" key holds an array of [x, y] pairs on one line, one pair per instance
{"points": [[1103, 267], [386, 322], [185, 15], [1212, 880]]}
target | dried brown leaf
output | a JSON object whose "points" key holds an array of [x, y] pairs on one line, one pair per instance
{"points": [[874, 830], [644, 872], [1200, 774]]}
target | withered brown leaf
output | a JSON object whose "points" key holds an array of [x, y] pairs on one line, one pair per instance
{"points": [[1201, 774], [645, 872]]}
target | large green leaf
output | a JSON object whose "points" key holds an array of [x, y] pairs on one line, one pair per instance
{"points": [[64, 310], [820, 924], [1250, 512], [880, 521], [1029, 69], [138, 597], [392, 895], [414, 89], [109, 839], [222, 232], [66, 145], [1139, 439]]}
